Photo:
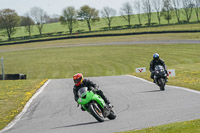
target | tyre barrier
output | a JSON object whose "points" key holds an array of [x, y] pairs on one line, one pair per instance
{"points": [[13, 77]]}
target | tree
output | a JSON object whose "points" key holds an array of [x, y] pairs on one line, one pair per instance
{"points": [[188, 8], [148, 10], [90, 15], [137, 6], [197, 8], [109, 14], [176, 7], [157, 4], [40, 17], [126, 12], [167, 8], [69, 18], [9, 20], [27, 22], [54, 18]]}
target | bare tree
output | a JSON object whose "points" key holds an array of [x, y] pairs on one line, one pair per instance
{"points": [[47, 19], [176, 7], [188, 6], [157, 4], [109, 14], [40, 17], [137, 6], [69, 18], [126, 12], [147, 10], [90, 15], [167, 9], [54, 18], [9, 20], [28, 23], [197, 8]]}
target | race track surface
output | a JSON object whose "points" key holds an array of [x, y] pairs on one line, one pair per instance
{"points": [[137, 103]]}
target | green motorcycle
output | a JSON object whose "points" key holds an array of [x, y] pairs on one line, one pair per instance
{"points": [[95, 105]]}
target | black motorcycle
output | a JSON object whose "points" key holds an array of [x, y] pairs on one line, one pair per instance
{"points": [[160, 77]]}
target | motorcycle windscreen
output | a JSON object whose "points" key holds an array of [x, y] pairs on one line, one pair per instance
{"points": [[87, 97], [82, 91], [159, 68]]}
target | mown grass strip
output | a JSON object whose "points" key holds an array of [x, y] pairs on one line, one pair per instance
{"points": [[13, 97], [179, 127]]}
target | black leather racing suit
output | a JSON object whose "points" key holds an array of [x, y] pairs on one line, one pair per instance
{"points": [[91, 86], [154, 63]]}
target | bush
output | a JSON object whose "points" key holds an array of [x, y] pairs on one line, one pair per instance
{"points": [[128, 26], [104, 28], [137, 26], [117, 28], [79, 31]]}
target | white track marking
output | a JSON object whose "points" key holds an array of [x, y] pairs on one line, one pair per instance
{"points": [[177, 87], [140, 79], [19, 116]]}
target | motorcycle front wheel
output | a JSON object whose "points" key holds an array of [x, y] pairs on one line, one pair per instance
{"points": [[96, 112], [161, 84]]}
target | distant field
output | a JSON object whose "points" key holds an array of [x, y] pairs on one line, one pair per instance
{"points": [[117, 21]]}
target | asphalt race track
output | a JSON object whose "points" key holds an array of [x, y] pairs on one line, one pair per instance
{"points": [[137, 103]]}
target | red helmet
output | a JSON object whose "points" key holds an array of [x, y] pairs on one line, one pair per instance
{"points": [[78, 79]]}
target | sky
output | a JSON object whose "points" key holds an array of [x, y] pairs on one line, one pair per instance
{"points": [[56, 6]]}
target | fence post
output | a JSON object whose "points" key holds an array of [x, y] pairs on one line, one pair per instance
{"points": [[2, 68]]}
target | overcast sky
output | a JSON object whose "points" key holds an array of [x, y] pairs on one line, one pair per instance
{"points": [[56, 6]]}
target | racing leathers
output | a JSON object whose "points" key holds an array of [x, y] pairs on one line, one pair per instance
{"points": [[154, 63]]}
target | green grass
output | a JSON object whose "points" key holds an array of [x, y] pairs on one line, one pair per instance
{"points": [[179, 127], [13, 97], [117, 21]]}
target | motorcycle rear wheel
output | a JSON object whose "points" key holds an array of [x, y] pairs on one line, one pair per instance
{"points": [[96, 112], [112, 115]]}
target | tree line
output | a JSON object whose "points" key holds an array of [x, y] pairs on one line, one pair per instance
{"points": [[9, 19]]}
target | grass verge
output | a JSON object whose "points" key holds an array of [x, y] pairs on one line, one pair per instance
{"points": [[13, 97], [179, 127]]}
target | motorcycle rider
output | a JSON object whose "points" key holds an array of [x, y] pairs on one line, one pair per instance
{"points": [[156, 61], [80, 82]]}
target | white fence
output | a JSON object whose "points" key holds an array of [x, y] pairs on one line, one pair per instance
{"points": [[171, 72], [140, 70]]}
